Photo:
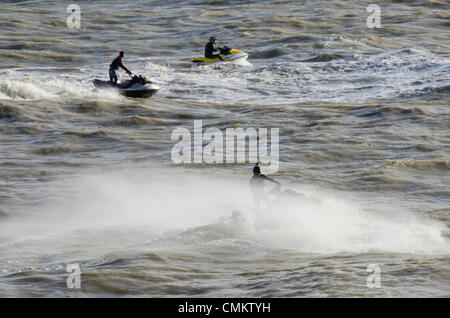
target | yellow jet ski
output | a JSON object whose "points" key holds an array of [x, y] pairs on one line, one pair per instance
{"points": [[227, 54]]}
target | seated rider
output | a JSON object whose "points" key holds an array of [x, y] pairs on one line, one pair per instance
{"points": [[115, 64], [210, 48], [257, 186]]}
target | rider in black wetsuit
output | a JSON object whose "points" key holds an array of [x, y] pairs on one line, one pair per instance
{"points": [[115, 64], [257, 186], [210, 49]]}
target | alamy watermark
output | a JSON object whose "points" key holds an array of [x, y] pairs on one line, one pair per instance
{"points": [[74, 279], [74, 19], [374, 279], [212, 146], [374, 20]]}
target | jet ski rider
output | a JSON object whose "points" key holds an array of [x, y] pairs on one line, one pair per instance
{"points": [[210, 48], [115, 64], [257, 186]]}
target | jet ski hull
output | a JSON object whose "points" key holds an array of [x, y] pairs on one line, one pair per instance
{"points": [[232, 56], [134, 91]]}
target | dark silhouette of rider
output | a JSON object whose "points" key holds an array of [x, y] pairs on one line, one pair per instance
{"points": [[210, 48], [115, 64], [257, 186]]}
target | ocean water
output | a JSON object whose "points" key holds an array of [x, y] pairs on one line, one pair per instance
{"points": [[86, 175]]}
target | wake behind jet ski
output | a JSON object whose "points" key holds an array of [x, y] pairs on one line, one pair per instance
{"points": [[137, 86], [224, 54]]}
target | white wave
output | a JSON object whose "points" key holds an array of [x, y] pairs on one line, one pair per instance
{"points": [[334, 226], [24, 89], [358, 77], [52, 88], [109, 211]]}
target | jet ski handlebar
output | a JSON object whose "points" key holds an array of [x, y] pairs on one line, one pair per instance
{"points": [[224, 50]]}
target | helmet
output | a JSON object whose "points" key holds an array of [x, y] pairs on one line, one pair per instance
{"points": [[256, 169], [121, 53], [212, 39]]}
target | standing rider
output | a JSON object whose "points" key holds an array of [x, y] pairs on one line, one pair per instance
{"points": [[210, 48], [116, 63], [257, 186]]}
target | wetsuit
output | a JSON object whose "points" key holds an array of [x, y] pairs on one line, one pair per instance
{"points": [[209, 51], [116, 63], [257, 188]]}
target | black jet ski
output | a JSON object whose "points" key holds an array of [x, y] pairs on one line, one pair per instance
{"points": [[137, 86]]}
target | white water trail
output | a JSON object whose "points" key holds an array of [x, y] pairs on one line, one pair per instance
{"points": [[105, 211], [61, 88]]}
